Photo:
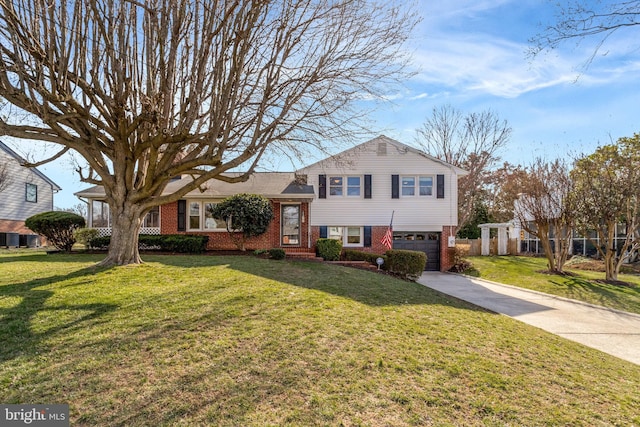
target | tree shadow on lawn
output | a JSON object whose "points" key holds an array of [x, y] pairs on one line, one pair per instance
{"points": [[16, 331], [597, 292], [363, 286]]}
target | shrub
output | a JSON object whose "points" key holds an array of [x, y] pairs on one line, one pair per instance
{"points": [[246, 215], [460, 263], [99, 242], [407, 264], [57, 226], [277, 253], [329, 249], [181, 243], [85, 235], [371, 258]]}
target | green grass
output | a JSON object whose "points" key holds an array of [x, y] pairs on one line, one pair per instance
{"points": [[582, 285], [203, 340]]}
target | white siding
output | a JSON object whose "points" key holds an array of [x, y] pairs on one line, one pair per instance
{"points": [[417, 213], [13, 204]]}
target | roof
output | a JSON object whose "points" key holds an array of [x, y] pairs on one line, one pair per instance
{"points": [[397, 144], [273, 185], [22, 161]]}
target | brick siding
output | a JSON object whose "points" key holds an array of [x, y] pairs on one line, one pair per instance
{"points": [[221, 240]]}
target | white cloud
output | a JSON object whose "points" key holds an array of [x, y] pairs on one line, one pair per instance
{"points": [[489, 65]]}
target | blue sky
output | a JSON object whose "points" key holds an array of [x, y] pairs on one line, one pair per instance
{"points": [[471, 54]]}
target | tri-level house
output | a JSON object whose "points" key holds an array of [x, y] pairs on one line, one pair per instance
{"points": [[24, 192], [350, 196], [359, 191]]}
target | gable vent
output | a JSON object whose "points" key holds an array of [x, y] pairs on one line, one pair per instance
{"points": [[382, 149]]}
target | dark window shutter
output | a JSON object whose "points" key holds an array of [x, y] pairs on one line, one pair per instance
{"points": [[324, 232], [367, 236], [322, 186], [367, 186], [182, 215], [395, 186], [440, 188]]}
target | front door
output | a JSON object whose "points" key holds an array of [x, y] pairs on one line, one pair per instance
{"points": [[290, 220]]}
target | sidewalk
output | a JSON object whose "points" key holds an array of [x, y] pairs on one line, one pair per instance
{"points": [[614, 332]]}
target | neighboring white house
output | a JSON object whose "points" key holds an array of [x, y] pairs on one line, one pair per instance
{"points": [[25, 192], [358, 190]]}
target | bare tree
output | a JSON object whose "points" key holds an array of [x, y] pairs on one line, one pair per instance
{"points": [[78, 209], [544, 209], [579, 20], [606, 196], [471, 142], [148, 90]]}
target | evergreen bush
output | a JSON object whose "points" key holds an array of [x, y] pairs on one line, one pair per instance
{"points": [[406, 264], [57, 226], [329, 249]]}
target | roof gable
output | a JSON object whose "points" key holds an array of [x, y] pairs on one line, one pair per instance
{"points": [[22, 161], [337, 158]]}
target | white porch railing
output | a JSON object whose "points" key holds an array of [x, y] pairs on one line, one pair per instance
{"points": [[106, 231]]}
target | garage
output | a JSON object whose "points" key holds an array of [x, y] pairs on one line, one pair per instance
{"points": [[426, 242]]}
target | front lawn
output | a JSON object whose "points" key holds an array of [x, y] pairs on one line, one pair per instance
{"points": [[582, 285], [213, 340]]}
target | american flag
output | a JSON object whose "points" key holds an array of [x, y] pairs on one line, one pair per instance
{"points": [[387, 239]]}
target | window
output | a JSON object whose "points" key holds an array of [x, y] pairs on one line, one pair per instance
{"points": [[408, 186], [194, 215], [426, 185], [201, 217], [335, 186], [354, 236], [335, 233], [211, 223], [353, 186], [31, 193], [152, 219], [100, 214], [349, 236]]}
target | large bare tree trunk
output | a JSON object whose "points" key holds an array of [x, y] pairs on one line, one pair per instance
{"points": [[126, 220]]}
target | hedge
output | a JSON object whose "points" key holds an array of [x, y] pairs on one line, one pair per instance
{"points": [[329, 249], [407, 264], [371, 258], [180, 243]]}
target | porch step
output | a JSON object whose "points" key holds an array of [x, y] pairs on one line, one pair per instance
{"points": [[307, 256]]}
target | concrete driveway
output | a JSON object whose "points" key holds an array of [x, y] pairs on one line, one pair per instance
{"points": [[611, 331]]}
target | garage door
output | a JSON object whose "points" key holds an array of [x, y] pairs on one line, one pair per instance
{"points": [[428, 243]]}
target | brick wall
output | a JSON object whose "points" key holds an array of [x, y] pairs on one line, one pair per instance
{"points": [[377, 233], [446, 253], [221, 240], [11, 226]]}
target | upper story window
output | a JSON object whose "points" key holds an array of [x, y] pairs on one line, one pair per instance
{"points": [[408, 186], [420, 185], [353, 186], [337, 187], [31, 193], [426, 185]]}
